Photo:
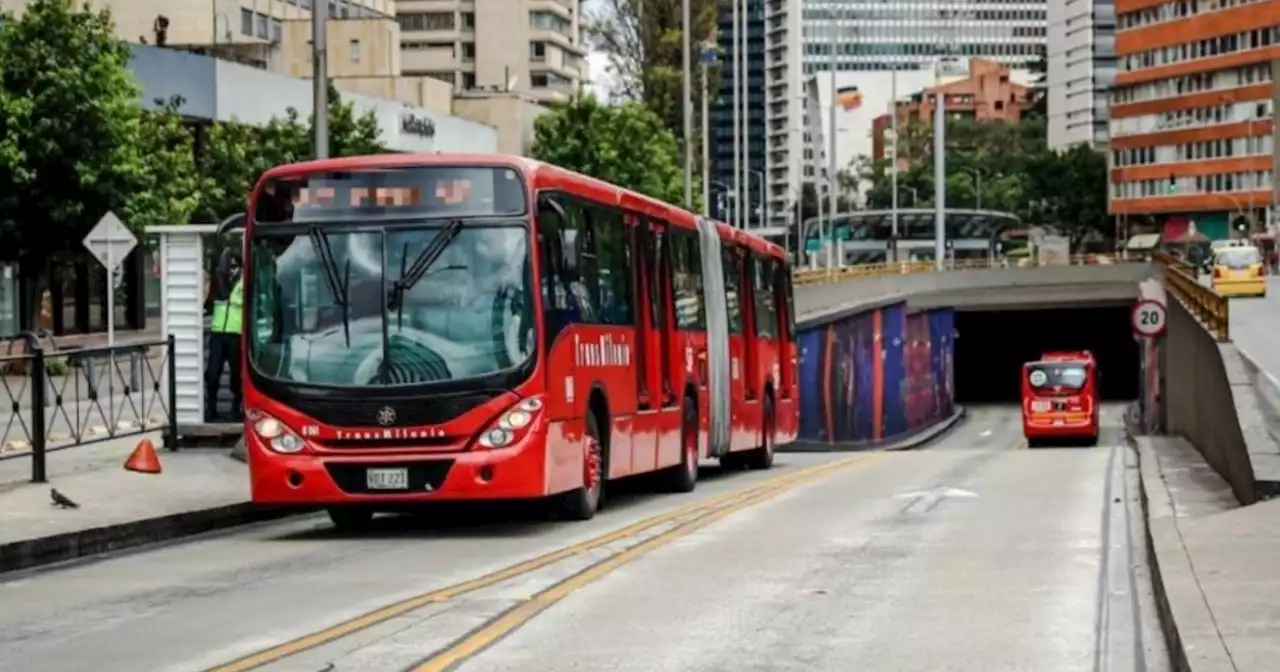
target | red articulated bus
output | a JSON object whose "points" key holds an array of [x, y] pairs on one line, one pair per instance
{"points": [[432, 327], [1060, 398]]}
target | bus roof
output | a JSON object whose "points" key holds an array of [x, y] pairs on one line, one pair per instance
{"points": [[533, 170], [1067, 356]]}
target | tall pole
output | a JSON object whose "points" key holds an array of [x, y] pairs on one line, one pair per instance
{"points": [[940, 175], [706, 138], [831, 147], [743, 199], [687, 76], [893, 180], [737, 130], [746, 119], [320, 78]]}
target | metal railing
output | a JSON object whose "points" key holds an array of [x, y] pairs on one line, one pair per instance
{"points": [[1182, 280], [56, 399], [824, 276]]}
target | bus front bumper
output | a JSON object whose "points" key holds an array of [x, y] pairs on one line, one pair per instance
{"points": [[516, 472], [1063, 425]]}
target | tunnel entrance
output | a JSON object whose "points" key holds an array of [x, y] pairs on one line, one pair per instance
{"points": [[992, 346]]}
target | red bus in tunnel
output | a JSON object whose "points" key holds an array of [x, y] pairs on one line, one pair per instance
{"points": [[448, 327], [1060, 398]]}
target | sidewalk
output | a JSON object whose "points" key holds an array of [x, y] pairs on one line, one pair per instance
{"points": [[1215, 562], [199, 490]]}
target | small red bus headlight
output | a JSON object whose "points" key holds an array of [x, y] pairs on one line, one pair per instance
{"points": [[276, 435], [512, 425]]}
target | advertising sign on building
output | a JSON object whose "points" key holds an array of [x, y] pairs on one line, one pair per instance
{"points": [[1054, 251]]}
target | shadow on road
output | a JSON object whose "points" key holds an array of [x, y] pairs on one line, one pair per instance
{"points": [[463, 520]]}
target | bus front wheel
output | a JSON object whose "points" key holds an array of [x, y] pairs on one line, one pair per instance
{"points": [[582, 503]]}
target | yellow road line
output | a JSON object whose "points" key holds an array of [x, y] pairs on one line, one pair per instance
{"points": [[512, 620], [377, 616]]}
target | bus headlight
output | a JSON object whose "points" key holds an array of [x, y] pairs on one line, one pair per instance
{"points": [[512, 425], [277, 435]]}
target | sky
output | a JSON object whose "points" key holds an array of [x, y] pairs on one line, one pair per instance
{"points": [[597, 63]]}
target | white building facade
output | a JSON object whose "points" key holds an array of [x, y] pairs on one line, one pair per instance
{"points": [[1082, 68]]}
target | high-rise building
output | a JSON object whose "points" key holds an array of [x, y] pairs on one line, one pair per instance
{"points": [[1192, 139], [1082, 68], [496, 45], [722, 112], [874, 35], [789, 141]]}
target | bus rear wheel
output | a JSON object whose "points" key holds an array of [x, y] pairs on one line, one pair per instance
{"points": [[762, 457], [584, 502], [684, 476]]}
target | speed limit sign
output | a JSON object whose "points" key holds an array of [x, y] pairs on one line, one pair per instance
{"points": [[1149, 318]]}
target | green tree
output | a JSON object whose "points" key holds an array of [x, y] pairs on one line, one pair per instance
{"points": [[625, 145], [74, 143], [236, 154]]}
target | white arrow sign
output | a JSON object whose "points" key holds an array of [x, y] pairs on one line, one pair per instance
{"points": [[925, 500]]}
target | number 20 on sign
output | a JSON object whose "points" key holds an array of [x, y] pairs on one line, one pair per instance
{"points": [[1150, 318]]}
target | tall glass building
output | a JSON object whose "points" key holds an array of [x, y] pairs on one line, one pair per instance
{"points": [[721, 111]]}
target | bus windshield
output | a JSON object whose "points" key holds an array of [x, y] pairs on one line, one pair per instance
{"points": [[1064, 375], [348, 301]]}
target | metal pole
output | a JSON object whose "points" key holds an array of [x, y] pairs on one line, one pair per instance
{"points": [[742, 202], [831, 147], [893, 184], [940, 177], [706, 146], [746, 119], [320, 78], [687, 83], [737, 131]]}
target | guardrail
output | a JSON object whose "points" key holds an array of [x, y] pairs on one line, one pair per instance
{"points": [[820, 276], [1182, 280], [56, 399]]}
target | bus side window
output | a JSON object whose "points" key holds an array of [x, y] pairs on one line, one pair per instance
{"points": [[613, 266], [731, 262], [766, 312], [686, 257], [555, 294]]}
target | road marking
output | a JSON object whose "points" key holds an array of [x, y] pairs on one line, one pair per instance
{"points": [[486, 636], [333, 633]]}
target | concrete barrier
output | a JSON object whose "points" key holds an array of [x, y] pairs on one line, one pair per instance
{"points": [[816, 304], [1205, 390]]}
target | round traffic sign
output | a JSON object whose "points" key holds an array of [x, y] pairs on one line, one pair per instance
{"points": [[1149, 318]]}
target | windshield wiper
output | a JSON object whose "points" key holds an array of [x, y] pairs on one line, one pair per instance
{"points": [[421, 264], [338, 287]]}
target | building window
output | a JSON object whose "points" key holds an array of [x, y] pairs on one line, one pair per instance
{"points": [[246, 22], [263, 28], [468, 51], [537, 51], [355, 51], [468, 81], [420, 21]]}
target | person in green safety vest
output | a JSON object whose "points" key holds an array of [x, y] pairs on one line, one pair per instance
{"points": [[224, 343]]}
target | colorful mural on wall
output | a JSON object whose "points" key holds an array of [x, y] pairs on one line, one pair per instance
{"points": [[876, 376]]}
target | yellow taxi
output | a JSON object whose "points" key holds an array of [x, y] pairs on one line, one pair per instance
{"points": [[1238, 270]]}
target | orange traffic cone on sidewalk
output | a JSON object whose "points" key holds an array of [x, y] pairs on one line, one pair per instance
{"points": [[143, 459]]}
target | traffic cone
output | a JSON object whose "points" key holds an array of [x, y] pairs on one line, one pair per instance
{"points": [[143, 459]]}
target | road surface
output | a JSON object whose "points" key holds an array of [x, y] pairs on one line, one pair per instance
{"points": [[1253, 326], [976, 554]]}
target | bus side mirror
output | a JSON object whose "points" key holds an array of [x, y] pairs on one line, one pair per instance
{"points": [[231, 224]]}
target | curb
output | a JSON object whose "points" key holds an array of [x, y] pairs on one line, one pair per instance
{"points": [[30, 553], [911, 442], [1177, 653]]}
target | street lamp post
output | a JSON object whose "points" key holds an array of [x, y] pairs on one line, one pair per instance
{"points": [[320, 79], [687, 77], [708, 59]]}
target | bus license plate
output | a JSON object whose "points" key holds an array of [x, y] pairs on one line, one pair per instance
{"points": [[1059, 421], [1040, 406], [387, 479]]}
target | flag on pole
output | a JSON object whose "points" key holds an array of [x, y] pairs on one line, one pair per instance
{"points": [[849, 97]]}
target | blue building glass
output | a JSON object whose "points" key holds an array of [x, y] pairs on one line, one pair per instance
{"points": [[721, 108]]}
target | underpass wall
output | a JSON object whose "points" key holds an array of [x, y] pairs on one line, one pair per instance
{"points": [[1202, 380], [876, 376]]}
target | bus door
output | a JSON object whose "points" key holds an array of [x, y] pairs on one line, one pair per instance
{"points": [[657, 424], [788, 361]]}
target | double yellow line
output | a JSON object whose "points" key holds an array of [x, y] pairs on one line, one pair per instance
{"points": [[703, 512]]}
